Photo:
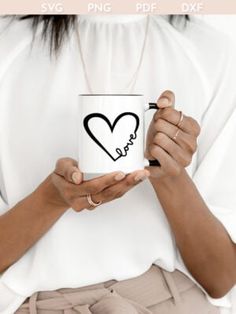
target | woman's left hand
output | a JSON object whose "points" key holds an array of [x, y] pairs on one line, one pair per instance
{"points": [[171, 138]]}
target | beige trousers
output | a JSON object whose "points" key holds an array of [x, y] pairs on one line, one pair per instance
{"points": [[156, 291]]}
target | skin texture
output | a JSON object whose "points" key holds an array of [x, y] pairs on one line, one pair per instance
{"points": [[204, 244], [28, 220], [205, 247]]}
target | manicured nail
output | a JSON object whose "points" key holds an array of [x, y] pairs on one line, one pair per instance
{"points": [[163, 102], [76, 177], [120, 176]]}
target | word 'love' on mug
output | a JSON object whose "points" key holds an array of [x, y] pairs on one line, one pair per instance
{"points": [[111, 133]]}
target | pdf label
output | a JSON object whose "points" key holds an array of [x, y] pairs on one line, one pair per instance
{"points": [[145, 7]]}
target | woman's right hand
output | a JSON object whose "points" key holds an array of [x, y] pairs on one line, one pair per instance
{"points": [[73, 191]]}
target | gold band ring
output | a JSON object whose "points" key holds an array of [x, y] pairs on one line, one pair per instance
{"points": [[91, 202], [180, 119], [176, 134]]}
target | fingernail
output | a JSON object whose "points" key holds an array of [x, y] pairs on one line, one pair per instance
{"points": [[163, 102], [140, 177], [120, 176], [76, 177]]}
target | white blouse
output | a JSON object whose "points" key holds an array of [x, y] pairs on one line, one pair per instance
{"points": [[38, 125]]}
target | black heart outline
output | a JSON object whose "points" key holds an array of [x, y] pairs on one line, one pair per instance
{"points": [[111, 126]]}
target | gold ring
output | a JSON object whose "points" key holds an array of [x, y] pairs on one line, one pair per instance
{"points": [[91, 202], [180, 119], [176, 134]]}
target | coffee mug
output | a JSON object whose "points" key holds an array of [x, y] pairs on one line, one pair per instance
{"points": [[111, 133]]}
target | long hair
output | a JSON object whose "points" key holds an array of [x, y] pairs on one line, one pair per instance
{"points": [[57, 27]]}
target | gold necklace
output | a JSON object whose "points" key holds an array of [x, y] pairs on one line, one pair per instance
{"points": [[134, 78]]}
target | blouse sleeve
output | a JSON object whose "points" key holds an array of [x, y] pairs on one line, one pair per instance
{"points": [[216, 166], [3, 206], [215, 171]]}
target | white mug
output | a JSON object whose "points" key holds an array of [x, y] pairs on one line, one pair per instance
{"points": [[111, 133]]}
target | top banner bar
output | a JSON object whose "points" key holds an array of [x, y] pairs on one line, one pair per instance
{"points": [[117, 7]]}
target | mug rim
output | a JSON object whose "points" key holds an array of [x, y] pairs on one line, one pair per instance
{"points": [[110, 94]]}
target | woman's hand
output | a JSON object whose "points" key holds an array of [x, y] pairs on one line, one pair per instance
{"points": [[73, 191], [171, 139], [25, 223]]}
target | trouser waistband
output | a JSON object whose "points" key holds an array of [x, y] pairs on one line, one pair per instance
{"points": [[131, 296]]}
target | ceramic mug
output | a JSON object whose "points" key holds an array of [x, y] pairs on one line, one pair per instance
{"points": [[111, 133]]}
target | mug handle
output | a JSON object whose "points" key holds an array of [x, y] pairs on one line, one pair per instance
{"points": [[151, 163]]}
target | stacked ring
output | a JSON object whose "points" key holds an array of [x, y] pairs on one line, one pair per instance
{"points": [[178, 125], [180, 119], [176, 134], [91, 202]]}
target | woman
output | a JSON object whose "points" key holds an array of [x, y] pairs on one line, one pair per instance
{"points": [[161, 245]]}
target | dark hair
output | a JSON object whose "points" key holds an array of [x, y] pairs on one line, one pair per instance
{"points": [[56, 28]]}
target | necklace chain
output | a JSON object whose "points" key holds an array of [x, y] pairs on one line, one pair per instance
{"points": [[134, 77]]}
